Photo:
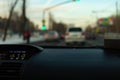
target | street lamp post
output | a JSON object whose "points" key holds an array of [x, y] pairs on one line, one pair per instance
{"points": [[96, 14], [44, 11]]}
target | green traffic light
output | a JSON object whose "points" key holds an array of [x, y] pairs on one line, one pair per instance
{"points": [[77, 0], [44, 27]]}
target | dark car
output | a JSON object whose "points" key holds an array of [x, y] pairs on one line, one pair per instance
{"points": [[51, 36], [62, 36]]}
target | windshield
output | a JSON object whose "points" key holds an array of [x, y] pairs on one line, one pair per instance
{"points": [[31, 22], [75, 30], [52, 32]]}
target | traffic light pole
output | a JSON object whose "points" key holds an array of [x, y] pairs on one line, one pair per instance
{"points": [[44, 12], [58, 5], [43, 21]]}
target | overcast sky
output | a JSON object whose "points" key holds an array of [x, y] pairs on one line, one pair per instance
{"points": [[78, 13]]}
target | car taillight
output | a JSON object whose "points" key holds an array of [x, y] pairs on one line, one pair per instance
{"points": [[46, 35], [63, 36], [67, 33], [55, 36]]}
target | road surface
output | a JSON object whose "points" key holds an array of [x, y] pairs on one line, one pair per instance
{"points": [[88, 43]]}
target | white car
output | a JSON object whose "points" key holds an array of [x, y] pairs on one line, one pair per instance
{"points": [[74, 35]]}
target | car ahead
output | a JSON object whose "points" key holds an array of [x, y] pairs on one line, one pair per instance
{"points": [[62, 36], [75, 35], [52, 36]]}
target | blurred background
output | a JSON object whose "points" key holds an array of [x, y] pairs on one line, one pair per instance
{"points": [[43, 17]]}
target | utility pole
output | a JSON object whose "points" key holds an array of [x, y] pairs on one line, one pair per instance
{"points": [[96, 14]]}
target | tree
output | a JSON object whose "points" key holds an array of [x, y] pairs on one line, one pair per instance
{"points": [[9, 18], [24, 19], [60, 27], [88, 29]]}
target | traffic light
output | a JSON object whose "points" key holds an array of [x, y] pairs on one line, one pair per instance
{"points": [[44, 27], [77, 0]]}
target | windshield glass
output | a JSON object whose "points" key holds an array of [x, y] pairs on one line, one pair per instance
{"points": [[31, 22], [75, 30], [52, 32]]}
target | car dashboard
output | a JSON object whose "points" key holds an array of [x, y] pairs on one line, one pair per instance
{"points": [[28, 62], [13, 58]]}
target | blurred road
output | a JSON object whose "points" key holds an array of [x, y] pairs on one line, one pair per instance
{"points": [[99, 41], [88, 43]]}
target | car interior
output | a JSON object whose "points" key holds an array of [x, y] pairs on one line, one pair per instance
{"points": [[31, 62], [59, 40]]}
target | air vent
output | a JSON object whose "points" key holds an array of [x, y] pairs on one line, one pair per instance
{"points": [[10, 71]]}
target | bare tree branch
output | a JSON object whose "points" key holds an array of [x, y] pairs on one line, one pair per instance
{"points": [[9, 19]]}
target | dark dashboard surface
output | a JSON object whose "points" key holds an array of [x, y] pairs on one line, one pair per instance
{"points": [[75, 64]]}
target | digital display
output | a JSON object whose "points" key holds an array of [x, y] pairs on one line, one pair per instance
{"points": [[18, 52], [13, 55]]}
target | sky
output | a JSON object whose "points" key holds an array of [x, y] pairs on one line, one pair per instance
{"points": [[78, 13]]}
